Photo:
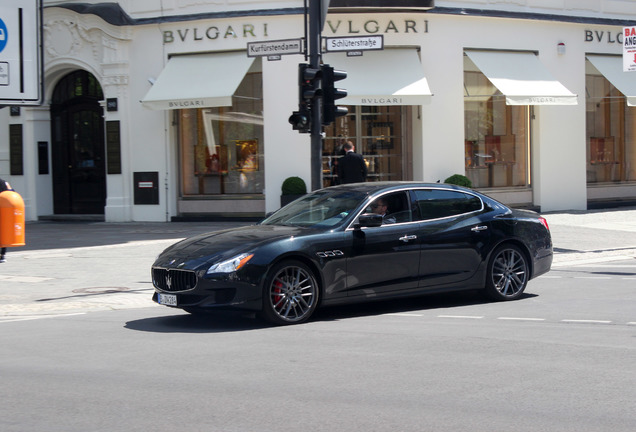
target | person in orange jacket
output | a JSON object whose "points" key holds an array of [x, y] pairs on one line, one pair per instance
{"points": [[4, 186]]}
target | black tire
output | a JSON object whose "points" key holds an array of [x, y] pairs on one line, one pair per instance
{"points": [[508, 273], [290, 294]]}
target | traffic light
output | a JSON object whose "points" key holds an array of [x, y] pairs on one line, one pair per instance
{"points": [[308, 93], [308, 84], [330, 94], [301, 121]]}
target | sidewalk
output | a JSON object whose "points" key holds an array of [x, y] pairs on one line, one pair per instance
{"points": [[575, 235], [593, 235]]}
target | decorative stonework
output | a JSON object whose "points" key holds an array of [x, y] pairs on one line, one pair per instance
{"points": [[63, 38]]}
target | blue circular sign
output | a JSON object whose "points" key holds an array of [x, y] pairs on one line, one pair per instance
{"points": [[4, 35]]}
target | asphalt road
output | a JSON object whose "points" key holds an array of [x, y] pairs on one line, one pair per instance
{"points": [[85, 349], [561, 359]]}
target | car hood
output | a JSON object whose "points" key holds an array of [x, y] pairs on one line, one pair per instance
{"points": [[204, 248]]}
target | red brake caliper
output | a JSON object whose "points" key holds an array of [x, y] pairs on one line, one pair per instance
{"points": [[278, 289]]}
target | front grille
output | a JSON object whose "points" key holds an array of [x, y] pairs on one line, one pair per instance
{"points": [[173, 279]]}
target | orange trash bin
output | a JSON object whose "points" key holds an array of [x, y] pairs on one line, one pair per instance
{"points": [[11, 219]]}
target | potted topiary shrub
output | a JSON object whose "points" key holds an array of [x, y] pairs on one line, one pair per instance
{"points": [[292, 188], [459, 180]]}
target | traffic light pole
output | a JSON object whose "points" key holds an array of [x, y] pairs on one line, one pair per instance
{"points": [[316, 120]]}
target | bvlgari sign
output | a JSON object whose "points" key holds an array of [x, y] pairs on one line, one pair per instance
{"points": [[219, 32]]}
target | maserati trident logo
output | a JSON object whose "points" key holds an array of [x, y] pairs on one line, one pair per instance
{"points": [[168, 281]]}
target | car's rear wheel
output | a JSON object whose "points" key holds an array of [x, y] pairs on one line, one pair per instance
{"points": [[508, 273], [291, 293]]}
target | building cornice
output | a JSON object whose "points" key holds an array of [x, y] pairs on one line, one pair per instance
{"points": [[113, 13]]}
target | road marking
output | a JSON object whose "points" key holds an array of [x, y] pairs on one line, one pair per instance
{"points": [[36, 317], [460, 316], [583, 262], [520, 319], [25, 279], [593, 277], [631, 323], [405, 314], [586, 321]]}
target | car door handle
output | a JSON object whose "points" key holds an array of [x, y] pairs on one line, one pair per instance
{"points": [[408, 238], [479, 228]]}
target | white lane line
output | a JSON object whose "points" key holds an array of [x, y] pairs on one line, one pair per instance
{"points": [[460, 316], [520, 319], [24, 279], [586, 321], [631, 323], [37, 317], [405, 314], [592, 277]]}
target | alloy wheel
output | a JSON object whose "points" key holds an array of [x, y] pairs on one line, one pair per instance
{"points": [[292, 294], [508, 273]]}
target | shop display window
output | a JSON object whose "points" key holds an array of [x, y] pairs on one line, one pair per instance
{"points": [[221, 149], [610, 127], [378, 133], [497, 141]]}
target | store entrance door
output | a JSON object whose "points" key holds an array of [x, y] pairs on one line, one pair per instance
{"points": [[77, 130], [381, 134]]}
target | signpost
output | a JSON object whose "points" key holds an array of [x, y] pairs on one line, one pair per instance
{"points": [[21, 81], [317, 94], [354, 43], [273, 50], [629, 49]]}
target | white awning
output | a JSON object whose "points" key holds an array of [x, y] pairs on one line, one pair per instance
{"points": [[522, 78], [612, 68], [198, 81], [388, 77]]}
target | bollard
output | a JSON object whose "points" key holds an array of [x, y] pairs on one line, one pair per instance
{"points": [[11, 219]]}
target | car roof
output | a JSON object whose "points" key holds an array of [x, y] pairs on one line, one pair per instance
{"points": [[374, 187]]}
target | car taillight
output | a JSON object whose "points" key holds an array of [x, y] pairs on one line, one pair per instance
{"points": [[545, 223]]}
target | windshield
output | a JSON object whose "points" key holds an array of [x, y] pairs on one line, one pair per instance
{"points": [[323, 208]]}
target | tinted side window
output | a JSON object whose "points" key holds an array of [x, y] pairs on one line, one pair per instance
{"points": [[437, 203], [395, 208]]}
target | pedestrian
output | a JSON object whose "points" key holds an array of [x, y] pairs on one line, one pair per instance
{"points": [[4, 186], [351, 167]]}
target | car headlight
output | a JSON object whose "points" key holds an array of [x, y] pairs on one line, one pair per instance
{"points": [[230, 265]]}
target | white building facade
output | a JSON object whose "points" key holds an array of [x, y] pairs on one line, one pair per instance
{"points": [[154, 111]]}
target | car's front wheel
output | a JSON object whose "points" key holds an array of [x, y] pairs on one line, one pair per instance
{"points": [[508, 273], [290, 295]]}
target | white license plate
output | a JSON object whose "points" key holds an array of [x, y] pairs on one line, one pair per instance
{"points": [[167, 299]]}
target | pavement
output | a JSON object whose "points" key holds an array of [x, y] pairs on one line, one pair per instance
{"points": [[69, 268]]}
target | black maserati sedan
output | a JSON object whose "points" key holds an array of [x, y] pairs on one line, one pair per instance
{"points": [[357, 242]]}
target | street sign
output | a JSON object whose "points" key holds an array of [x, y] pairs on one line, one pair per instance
{"points": [[21, 52], [274, 48], [354, 43], [629, 49]]}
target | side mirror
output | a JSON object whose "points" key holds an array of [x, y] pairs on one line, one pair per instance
{"points": [[369, 220]]}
